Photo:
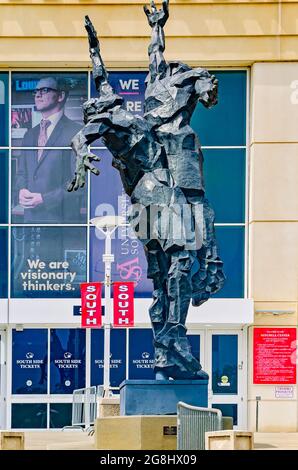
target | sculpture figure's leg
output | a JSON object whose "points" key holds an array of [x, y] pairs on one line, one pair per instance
{"points": [[158, 263], [172, 349]]}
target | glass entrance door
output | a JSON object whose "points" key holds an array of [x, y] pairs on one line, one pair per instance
{"points": [[226, 365]]}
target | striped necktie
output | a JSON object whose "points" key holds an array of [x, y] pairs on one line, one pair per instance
{"points": [[43, 136]]}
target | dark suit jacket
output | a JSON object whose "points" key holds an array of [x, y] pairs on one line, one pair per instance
{"points": [[50, 175]]}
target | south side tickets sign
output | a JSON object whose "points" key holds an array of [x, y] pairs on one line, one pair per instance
{"points": [[274, 356], [123, 304], [91, 305]]}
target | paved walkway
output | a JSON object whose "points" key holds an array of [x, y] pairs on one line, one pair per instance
{"points": [[276, 441], [58, 440], [78, 440]]}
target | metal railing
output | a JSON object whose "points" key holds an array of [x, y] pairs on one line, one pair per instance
{"points": [[193, 422], [84, 407]]}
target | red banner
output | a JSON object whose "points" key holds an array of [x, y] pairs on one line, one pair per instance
{"points": [[91, 304], [274, 356], [123, 304]]}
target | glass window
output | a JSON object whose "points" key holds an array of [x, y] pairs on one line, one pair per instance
{"points": [[3, 262], [130, 265], [3, 186], [228, 409], [107, 194], [48, 262], [141, 354], [29, 415], [29, 361], [67, 367], [224, 364], [4, 109], [231, 250], [117, 357], [60, 415], [195, 341], [55, 98], [130, 86], [109, 198], [225, 124], [224, 171], [39, 189]]}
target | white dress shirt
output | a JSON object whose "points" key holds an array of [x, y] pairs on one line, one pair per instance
{"points": [[54, 118]]}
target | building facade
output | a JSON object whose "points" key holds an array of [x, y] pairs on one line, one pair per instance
{"points": [[246, 336]]}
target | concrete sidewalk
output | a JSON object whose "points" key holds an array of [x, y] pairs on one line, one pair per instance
{"points": [[58, 440], [276, 441], [78, 440]]}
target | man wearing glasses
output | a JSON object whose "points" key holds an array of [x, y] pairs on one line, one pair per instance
{"points": [[43, 173]]}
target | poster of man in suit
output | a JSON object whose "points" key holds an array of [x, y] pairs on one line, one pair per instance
{"points": [[46, 114]]}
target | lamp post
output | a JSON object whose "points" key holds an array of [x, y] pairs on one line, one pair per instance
{"points": [[107, 225]]}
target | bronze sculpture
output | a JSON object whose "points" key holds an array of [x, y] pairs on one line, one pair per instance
{"points": [[161, 167]]}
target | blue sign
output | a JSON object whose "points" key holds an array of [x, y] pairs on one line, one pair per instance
{"points": [[117, 357], [141, 354], [25, 85], [29, 361], [77, 310], [48, 261], [67, 367], [129, 85]]}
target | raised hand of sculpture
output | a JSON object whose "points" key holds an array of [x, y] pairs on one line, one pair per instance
{"points": [[161, 167], [156, 16]]}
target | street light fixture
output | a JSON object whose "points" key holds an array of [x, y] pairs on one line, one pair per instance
{"points": [[107, 225]]}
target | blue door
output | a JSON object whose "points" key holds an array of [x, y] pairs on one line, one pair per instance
{"points": [[227, 379]]}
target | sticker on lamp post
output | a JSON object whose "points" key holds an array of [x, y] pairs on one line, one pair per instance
{"points": [[123, 304], [91, 305]]}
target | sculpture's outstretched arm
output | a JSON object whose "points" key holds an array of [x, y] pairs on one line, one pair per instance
{"points": [[100, 74], [100, 125], [157, 19], [84, 158]]}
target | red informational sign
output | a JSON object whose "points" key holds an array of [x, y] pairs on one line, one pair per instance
{"points": [[274, 356], [91, 304], [123, 304]]}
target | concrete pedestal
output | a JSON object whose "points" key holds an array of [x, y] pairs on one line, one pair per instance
{"points": [[109, 407], [160, 397], [136, 433], [229, 440], [11, 440]]}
